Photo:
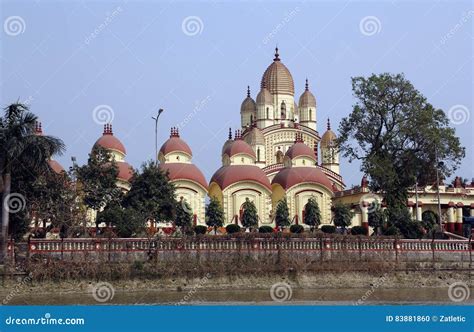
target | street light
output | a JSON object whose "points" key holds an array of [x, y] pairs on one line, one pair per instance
{"points": [[156, 134]]}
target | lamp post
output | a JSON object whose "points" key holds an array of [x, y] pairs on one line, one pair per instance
{"points": [[438, 165], [156, 134]]}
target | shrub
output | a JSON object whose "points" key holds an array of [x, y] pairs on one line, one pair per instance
{"points": [[200, 229], [232, 228], [265, 229], [359, 230], [328, 229], [296, 229]]}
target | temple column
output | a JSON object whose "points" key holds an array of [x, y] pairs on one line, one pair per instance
{"points": [[410, 208], [459, 218], [450, 225], [419, 211], [365, 215], [472, 210]]}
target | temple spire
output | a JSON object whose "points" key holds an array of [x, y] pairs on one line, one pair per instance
{"points": [[230, 133], [329, 125], [277, 56], [248, 91], [306, 86]]}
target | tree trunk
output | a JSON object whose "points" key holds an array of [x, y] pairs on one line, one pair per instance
{"points": [[5, 217]]}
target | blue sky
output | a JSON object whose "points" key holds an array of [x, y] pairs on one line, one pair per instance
{"points": [[68, 57]]}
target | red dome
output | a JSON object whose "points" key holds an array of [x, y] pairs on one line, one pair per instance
{"points": [[175, 144], [109, 142], [183, 171], [227, 175], [125, 171], [239, 147], [288, 177], [55, 166], [300, 149]]}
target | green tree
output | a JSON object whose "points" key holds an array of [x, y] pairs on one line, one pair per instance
{"points": [[282, 214], [312, 214], [214, 214], [249, 217], [152, 194], [184, 215], [397, 135], [342, 216], [399, 218], [377, 219], [429, 220], [20, 147], [127, 222], [98, 179]]}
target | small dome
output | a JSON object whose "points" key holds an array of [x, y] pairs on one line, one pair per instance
{"points": [[184, 171], [248, 105], [289, 177], [125, 171], [228, 142], [254, 137], [109, 142], [328, 137], [228, 175], [307, 98], [277, 78], [299, 149], [238, 146], [55, 166], [175, 144], [264, 97]]}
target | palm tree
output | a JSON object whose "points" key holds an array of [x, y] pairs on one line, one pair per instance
{"points": [[21, 147]]}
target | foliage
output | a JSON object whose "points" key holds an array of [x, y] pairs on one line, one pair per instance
{"points": [[21, 148], [296, 229], [249, 216], [126, 222], [282, 214], [377, 219], [342, 215], [152, 194], [214, 214], [429, 220], [98, 179], [265, 229], [184, 215], [200, 229], [397, 135], [328, 229], [312, 214], [232, 228], [400, 218], [359, 230]]}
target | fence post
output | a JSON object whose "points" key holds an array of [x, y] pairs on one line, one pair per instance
{"points": [[321, 249]]}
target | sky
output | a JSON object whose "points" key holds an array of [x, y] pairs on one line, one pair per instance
{"points": [[80, 63]]}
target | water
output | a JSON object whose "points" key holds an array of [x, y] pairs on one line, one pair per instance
{"points": [[341, 296]]}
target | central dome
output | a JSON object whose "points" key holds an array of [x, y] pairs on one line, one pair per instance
{"points": [[277, 78]]}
